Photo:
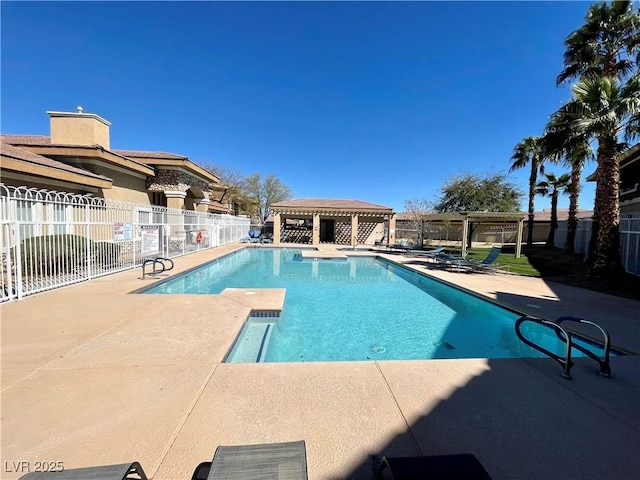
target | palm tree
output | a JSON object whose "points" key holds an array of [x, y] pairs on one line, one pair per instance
{"points": [[606, 110], [605, 45], [602, 54], [552, 187], [564, 144], [575, 158], [529, 151]]}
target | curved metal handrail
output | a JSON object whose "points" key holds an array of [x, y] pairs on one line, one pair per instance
{"points": [[152, 261], [164, 259], [565, 362], [605, 368]]}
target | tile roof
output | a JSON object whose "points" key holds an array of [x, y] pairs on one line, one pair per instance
{"points": [[329, 204], [44, 141], [145, 154], [26, 139], [39, 140], [24, 155]]}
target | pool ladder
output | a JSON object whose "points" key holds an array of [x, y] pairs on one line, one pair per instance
{"points": [[157, 261], [567, 337]]}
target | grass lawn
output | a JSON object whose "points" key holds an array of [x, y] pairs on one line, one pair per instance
{"points": [[519, 266], [554, 265]]}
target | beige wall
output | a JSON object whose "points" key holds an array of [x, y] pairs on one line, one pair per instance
{"points": [[79, 130], [377, 234], [126, 188], [126, 195]]}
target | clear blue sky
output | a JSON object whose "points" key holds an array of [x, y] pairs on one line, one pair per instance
{"points": [[375, 101]]}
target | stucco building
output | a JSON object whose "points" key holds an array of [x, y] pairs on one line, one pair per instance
{"points": [[77, 157]]}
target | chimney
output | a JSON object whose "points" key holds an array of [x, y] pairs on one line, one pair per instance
{"points": [[79, 128]]}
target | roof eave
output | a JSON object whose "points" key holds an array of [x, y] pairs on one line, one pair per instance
{"points": [[49, 172], [88, 151]]}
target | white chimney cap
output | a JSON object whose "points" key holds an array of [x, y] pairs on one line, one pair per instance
{"points": [[79, 109]]}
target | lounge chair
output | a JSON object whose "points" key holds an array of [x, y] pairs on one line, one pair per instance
{"points": [[426, 253], [124, 471], [269, 461], [486, 265], [464, 466], [254, 236], [403, 245]]}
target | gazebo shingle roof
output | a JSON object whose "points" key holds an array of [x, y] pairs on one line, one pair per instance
{"points": [[331, 204]]}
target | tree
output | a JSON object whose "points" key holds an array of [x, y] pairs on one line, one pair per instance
{"points": [[529, 152], [605, 45], [605, 109], [602, 54], [265, 193], [415, 209], [563, 143], [476, 193], [552, 187], [230, 189]]}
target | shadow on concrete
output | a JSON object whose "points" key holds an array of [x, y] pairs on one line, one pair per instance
{"points": [[523, 421]]}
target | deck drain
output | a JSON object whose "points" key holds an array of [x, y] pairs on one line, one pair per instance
{"points": [[378, 348]]}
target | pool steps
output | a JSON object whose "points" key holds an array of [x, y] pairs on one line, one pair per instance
{"points": [[252, 343]]}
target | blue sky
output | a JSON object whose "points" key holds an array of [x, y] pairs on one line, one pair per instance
{"points": [[375, 101]]}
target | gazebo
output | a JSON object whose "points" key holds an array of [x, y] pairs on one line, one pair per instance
{"points": [[316, 220], [467, 218]]}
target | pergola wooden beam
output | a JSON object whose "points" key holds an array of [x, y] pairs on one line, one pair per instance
{"points": [[479, 217]]}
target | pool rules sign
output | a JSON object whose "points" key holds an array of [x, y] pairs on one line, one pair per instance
{"points": [[150, 239]]}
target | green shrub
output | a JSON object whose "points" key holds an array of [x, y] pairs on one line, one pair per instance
{"points": [[51, 254]]}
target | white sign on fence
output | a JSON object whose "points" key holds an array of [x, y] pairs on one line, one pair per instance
{"points": [[150, 239], [122, 231]]}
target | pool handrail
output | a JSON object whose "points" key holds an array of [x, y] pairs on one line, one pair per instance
{"points": [[565, 362], [157, 260], [567, 336], [605, 368]]}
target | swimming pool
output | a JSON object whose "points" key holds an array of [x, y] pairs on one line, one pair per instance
{"points": [[359, 308]]}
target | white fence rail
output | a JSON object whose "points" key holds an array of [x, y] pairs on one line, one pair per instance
{"points": [[629, 239], [52, 239]]}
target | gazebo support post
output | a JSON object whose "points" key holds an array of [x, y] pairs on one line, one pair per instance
{"points": [[519, 237], [465, 230]]}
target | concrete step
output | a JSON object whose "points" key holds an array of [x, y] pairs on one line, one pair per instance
{"points": [[251, 345]]}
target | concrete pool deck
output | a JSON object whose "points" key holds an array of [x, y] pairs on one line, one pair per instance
{"points": [[93, 375]]}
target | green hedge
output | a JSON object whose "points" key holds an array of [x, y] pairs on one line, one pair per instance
{"points": [[52, 254], [49, 254]]}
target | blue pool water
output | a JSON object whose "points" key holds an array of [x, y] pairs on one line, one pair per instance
{"points": [[362, 308]]}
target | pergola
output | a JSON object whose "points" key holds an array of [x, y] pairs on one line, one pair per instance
{"points": [[324, 212], [467, 218]]}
